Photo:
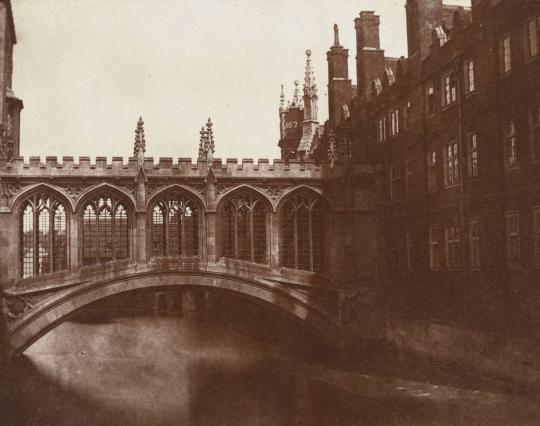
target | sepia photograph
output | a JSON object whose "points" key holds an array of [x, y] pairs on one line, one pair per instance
{"points": [[269, 212]]}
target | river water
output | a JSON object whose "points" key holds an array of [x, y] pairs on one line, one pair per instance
{"points": [[234, 366]]}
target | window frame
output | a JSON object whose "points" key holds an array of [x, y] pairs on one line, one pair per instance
{"points": [[473, 155], [475, 247], [394, 122], [510, 145], [530, 40], [470, 82], [432, 171], [451, 163], [511, 244], [505, 55], [434, 248], [449, 90], [430, 100], [534, 130], [453, 243]]}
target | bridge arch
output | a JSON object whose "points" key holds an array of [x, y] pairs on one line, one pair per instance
{"points": [[48, 315]]}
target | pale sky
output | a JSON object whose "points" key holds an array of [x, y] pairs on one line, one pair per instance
{"points": [[86, 70]]}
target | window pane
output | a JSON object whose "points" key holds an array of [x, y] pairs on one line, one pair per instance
{"points": [[59, 239], [121, 233], [28, 242]]}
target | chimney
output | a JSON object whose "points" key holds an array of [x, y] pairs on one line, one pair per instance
{"points": [[369, 55], [339, 84]]}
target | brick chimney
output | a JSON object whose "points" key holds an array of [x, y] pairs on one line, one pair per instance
{"points": [[339, 84], [369, 55]]}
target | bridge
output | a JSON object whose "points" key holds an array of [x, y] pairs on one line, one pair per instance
{"points": [[73, 233]]}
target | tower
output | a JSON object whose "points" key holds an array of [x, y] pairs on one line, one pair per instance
{"points": [[339, 84], [422, 15], [291, 116], [369, 55], [10, 106]]}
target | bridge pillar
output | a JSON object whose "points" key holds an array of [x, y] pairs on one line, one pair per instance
{"points": [[274, 241]]}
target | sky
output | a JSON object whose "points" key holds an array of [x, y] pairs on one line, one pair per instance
{"points": [[87, 69]]}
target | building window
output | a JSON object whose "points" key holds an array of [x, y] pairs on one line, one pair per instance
{"points": [[474, 243], [407, 115], [451, 164], [534, 126], [302, 233], [394, 122], [510, 145], [533, 37], [395, 175], [175, 225], [473, 155], [430, 100], [453, 246], [104, 230], [43, 239], [432, 171], [242, 222], [505, 55], [377, 86], [434, 249], [469, 76], [449, 89], [408, 175], [513, 249], [381, 129], [536, 236]]}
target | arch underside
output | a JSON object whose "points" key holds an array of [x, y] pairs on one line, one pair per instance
{"points": [[52, 312]]}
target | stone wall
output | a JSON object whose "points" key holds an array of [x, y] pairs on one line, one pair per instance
{"points": [[513, 359]]}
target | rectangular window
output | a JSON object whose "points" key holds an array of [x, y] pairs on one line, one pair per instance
{"points": [[395, 173], [408, 174], [510, 145], [430, 100], [381, 129], [451, 164], [449, 89], [407, 115], [394, 122], [453, 246], [434, 250], [473, 155], [513, 249], [536, 236], [469, 76], [432, 171], [505, 55], [533, 37], [474, 243], [534, 125]]}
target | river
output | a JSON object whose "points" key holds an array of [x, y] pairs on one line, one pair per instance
{"points": [[235, 364]]}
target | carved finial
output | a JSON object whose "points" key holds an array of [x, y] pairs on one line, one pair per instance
{"points": [[282, 99], [202, 143], [332, 149], [139, 147], [336, 35], [296, 96]]}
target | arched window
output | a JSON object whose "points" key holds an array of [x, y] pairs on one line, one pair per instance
{"points": [[105, 232], [43, 241], [377, 86], [302, 233], [175, 226], [242, 222]]}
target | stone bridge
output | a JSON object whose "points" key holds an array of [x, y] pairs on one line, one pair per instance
{"points": [[280, 233]]}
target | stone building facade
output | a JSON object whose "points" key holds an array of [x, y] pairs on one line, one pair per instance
{"points": [[453, 133]]}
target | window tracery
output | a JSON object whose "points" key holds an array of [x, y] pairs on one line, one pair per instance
{"points": [[105, 233], [43, 239], [302, 233]]}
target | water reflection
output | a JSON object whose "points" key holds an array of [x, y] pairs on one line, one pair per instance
{"points": [[228, 366]]}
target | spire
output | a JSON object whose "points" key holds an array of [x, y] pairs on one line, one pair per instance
{"points": [[336, 36], [139, 147], [310, 87], [282, 100]]}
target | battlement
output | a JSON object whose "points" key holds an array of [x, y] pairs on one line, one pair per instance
{"points": [[164, 166]]}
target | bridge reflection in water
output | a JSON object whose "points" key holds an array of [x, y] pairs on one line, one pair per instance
{"points": [[208, 358]]}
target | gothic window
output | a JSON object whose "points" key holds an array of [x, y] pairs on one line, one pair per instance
{"points": [[43, 241], [242, 222], [104, 230], [302, 233], [175, 225]]}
